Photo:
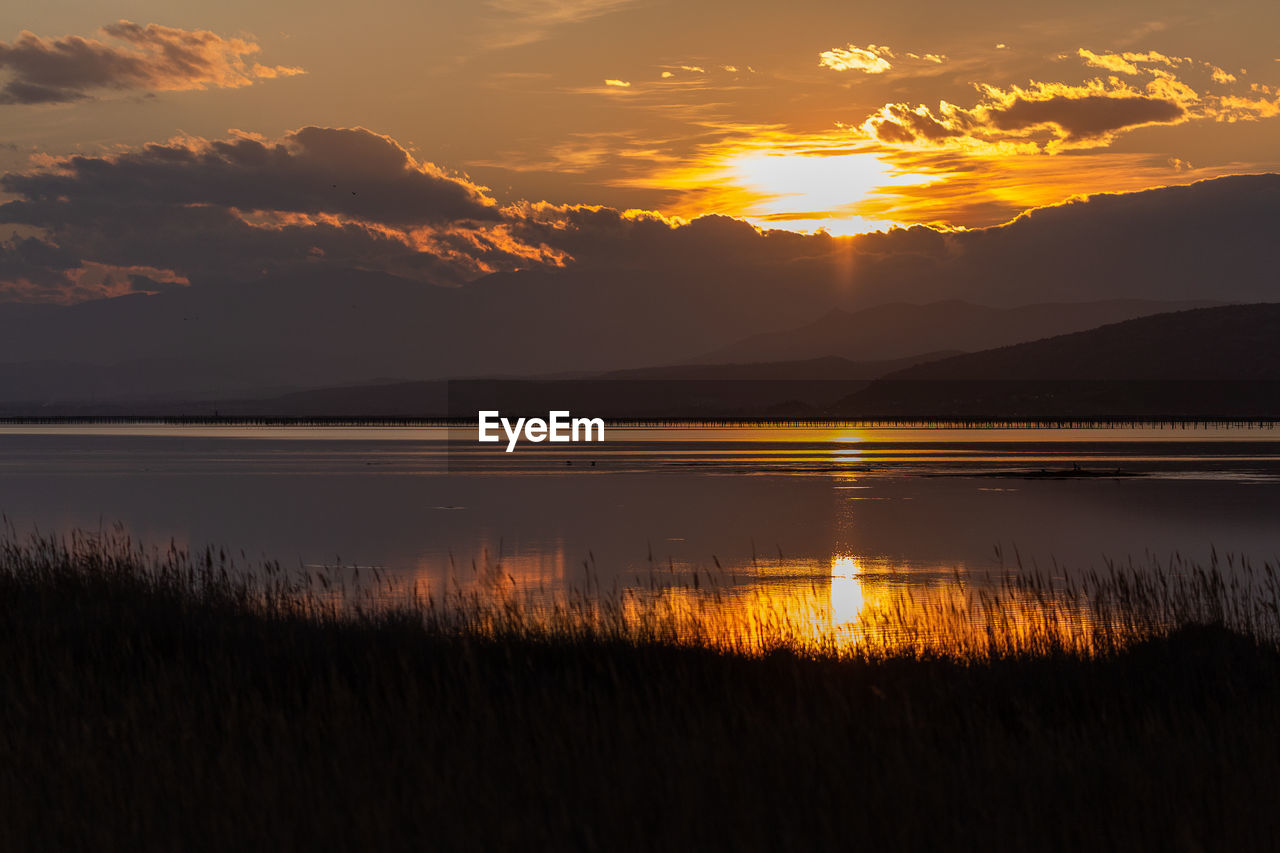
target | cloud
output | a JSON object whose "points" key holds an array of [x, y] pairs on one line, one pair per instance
{"points": [[271, 72], [329, 199], [621, 84], [1132, 64], [140, 283], [1108, 62], [35, 265], [344, 171], [648, 290], [904, 123], [149, 58], [1052, 117], [605, 238], [243, 207], [1128, 62], [211, 245], [960, 188], [843, 182], [771, 174], [671, 71], [1084, 117], [520, 22], [1043, 116], [35, 270], [855, 59], [1233, 108], [316, 201], [1215, 231], [873, 59]]}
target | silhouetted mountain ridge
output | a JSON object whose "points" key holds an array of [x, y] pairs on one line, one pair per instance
{"points": [[1219, 362], [825, 368], [898, 329], [1224, 342]]}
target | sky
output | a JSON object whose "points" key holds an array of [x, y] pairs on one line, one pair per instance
{"points": [[453, 139]]}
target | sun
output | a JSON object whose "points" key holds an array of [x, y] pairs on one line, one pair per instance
{"points": [[808, 191], [804, 183]]}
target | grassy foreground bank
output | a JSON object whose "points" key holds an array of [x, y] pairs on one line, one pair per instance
{"points": [[160, 703]]}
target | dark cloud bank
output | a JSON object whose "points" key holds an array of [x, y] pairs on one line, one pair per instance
{"points": [[335, 256]]}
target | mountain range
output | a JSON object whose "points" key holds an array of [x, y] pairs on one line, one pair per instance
{"points": [[899, 330], [1211, 363]]}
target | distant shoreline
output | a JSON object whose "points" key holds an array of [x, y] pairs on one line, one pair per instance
{"points": [[763, 422]]}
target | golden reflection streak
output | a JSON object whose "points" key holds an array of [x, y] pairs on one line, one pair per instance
{"points": [[845, 603], [879, 610], [847, 597]]}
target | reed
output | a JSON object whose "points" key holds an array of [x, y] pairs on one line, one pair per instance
{"points": [[157, 699]]}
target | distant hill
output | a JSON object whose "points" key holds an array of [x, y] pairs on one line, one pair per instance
{"points": [[701, 390], [1221, 362], [826, 368], [898, 330], [1209, 362]]}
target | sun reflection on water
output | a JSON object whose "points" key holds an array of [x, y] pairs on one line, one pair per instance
{"points": [[842, 602], [847, 596]]}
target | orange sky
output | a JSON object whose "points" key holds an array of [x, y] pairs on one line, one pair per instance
{"points": [[802, 115]]}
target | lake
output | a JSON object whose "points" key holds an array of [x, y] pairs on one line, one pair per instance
{"points": [[821, 522]]}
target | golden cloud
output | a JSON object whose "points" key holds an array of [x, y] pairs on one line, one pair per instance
{"points": [[1053, 117], [874, 59], [855, 59], [1127, 62], [147, 58]]}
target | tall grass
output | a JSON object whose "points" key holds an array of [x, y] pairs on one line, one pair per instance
{"points": [[1011, 612], [157, 699]]}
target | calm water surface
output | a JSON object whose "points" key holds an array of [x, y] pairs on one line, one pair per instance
{"points": [[837, 516]]}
